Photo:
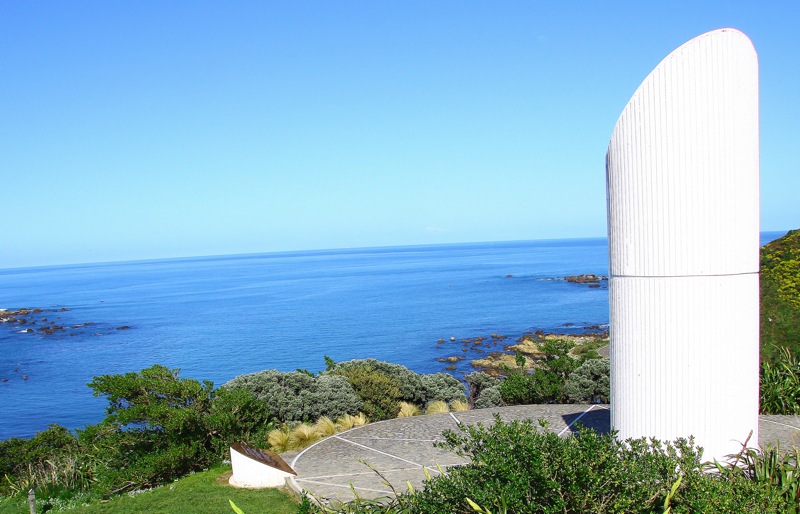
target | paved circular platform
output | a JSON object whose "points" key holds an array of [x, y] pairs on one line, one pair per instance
{"points": [[402, 449]]}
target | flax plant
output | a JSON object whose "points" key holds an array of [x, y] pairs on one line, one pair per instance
{"points": [[772, 469], [62, 473], [780, 384]]}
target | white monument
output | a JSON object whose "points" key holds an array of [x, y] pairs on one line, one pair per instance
{"points": [[255, 469], [682, 174]]}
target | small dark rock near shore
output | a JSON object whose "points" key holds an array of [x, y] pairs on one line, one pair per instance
{"points": [[588, 278]]}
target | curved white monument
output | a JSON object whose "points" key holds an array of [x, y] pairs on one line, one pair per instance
{"points": [[682, 175], [255, 469]]}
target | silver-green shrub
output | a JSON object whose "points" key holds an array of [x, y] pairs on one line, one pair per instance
{"points": [[490, 397], [589, 383], [297, 396], [484, 391]]}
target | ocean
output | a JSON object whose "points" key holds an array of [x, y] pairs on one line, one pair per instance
{"points": [[219, 317]]}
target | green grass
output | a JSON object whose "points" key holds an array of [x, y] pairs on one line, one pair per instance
{"points": [[207, 492]]}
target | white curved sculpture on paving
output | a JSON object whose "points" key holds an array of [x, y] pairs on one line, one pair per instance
{"points": [[255, 469], [682, 174]]}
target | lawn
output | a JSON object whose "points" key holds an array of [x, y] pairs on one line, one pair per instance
{"points": [[207, 492]]}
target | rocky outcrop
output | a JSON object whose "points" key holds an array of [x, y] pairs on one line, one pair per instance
{"points": [[587, 278], [45, 322]]}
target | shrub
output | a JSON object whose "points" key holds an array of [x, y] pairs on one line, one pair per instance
{"points": [[383, 385], [541, 386], [441, 387], [589, 383], [297, 396], [546, 383], [780, 296], [235, 415], [490, 397], [159, 427], [21, 458], [516, 467], [478, 383], [379, 392]]}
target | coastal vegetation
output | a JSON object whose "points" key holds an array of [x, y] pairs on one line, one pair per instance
{"points": [[160, 427], [522, 467], [204, 492], [780, 297]]}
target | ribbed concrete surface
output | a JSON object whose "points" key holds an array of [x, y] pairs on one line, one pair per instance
{"points": [[683, 217], [402, 448], [680, 359], [682, 165]]}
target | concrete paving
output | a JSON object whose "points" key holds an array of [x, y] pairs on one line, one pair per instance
{"points": [[402, 449]]}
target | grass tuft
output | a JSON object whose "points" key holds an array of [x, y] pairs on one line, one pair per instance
{"points": [[325, 426], [437, 407], [278, 440], [345, 422], [302, 435], [408, 409], [459, 406]]}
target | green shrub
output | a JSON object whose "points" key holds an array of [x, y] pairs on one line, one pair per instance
{"points": [[379, 392], [524, 470], [299, 397], [546, 383], [383, 385], [590, 383], [780, 296], [541, 386], [161, 426]]}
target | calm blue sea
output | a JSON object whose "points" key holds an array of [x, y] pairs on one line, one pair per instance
{"points": [[218, 317]]}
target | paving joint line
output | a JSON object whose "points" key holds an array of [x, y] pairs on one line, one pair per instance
{"points": [[398, 439], [781, 424], [357, 474], [576, 420], [377, 451], [344, 486]]}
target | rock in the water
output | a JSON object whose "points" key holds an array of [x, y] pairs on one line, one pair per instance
{"points": [[587, 278]]}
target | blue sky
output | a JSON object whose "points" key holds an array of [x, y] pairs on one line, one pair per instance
{"points": [[135, 130]]}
